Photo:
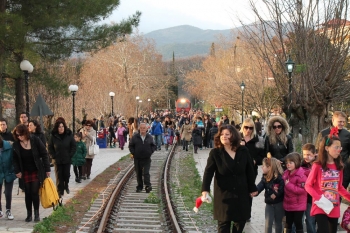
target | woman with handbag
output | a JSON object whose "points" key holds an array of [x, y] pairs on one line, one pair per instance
{"points": [[88, 137], [62, 148], [7, 176], [31, 166]]}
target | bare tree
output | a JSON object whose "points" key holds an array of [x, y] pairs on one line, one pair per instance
{"points": [[315, 35]]}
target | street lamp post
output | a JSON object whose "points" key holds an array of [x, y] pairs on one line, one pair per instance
{"points": [[149, 100], [137, 106], [73, 89], [242, 88], [290, 66], [27, 68], [112, 94]]}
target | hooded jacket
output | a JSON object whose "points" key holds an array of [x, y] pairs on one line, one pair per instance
{"points": [[295, 195], [278, 150], [62, 149]]}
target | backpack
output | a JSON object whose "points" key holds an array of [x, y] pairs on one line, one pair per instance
{"points": [[48, 195]]}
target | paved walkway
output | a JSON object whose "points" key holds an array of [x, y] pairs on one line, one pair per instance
{"points": [[257, 223], [102, 161]]}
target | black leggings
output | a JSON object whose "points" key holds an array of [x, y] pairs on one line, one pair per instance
{"points": [[225, 227], [295, 217], [326, 224], [32, 195], [8, 194], [78, 171]]}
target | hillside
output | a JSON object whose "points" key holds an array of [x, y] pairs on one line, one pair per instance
{"points": [[185, 40]]}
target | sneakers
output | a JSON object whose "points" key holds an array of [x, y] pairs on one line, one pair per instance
{"points": [[9, 215]]}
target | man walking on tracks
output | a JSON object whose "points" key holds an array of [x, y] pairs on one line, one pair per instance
{"points": [[142, 146]]}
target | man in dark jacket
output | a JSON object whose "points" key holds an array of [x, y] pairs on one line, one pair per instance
{"points": [[142, 146], [4, 133]]}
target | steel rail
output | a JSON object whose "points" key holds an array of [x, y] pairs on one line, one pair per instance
{"points": [[114, 196]]}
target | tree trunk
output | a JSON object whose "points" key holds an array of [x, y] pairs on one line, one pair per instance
{"points": [[20, 105], [311, 127]]}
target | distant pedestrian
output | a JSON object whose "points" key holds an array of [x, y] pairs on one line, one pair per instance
{"points": [[78, 159], [31, 165], [62, 147], [23, 118], [4, 132], [157, 132], [258, 126], [88, 136], [196, 137], [111, 135], [273, 185], [186, 134], [35, 129], [120, 135], [212, 132], [142, 146], [7, 176]]}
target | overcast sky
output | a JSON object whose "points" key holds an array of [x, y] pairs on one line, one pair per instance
{"points": [[160, 14]]}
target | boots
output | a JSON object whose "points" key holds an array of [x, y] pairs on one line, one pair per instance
{"points": [[299, 231], [36, 216], [29, 216], [285, 230]]}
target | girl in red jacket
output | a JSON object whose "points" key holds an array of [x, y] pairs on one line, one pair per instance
{"points": [[324, 184], [295, 196]]}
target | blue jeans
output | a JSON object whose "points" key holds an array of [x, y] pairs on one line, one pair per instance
{"points": [[310, 220], [274, 213], [158, 141]]}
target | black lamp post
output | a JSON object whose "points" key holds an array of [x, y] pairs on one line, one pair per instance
{"points": [[290, 66], [112, 94], [137, 106], [27, 68], [73, 89], [242, 88]]}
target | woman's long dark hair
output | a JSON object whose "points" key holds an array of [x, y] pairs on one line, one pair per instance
{"points": [[235, 139], [57, 123], [21, 129], [37, 126], [323, 154]]}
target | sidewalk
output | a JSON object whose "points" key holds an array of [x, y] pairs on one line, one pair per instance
{"points": [[257, 223], [103, 160]]}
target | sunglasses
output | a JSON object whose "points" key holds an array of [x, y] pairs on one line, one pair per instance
{"points": [[19, 135], [277, 127], [247, 127]]}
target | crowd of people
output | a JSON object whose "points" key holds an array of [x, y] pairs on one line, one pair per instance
{"points": [[297, 185]]}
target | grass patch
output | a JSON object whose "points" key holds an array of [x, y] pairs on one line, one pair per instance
{"points": [[61, 215], [190, 188], [152, 199]]}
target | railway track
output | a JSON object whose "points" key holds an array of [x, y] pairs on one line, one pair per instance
{"points": [[128, 211]]}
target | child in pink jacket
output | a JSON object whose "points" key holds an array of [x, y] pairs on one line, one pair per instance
{"points": [[295, 196], [345, 223], [324, 184]]}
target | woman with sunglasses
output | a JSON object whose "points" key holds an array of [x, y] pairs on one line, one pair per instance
{"points": [[31, 165], [278, 142], [251, 140]]}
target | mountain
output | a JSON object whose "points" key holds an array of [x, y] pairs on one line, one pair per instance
{"points": [[185, 40]]}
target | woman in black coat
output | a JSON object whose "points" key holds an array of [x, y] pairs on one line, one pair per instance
{"points": [[251, 140], [196, 137], [31, 166], [278, 142], [234, 180], [62, 147]]}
